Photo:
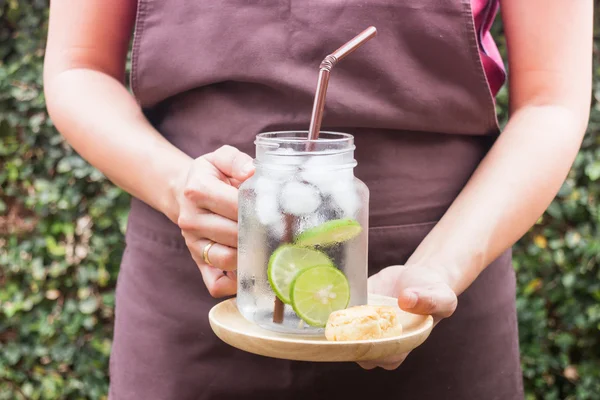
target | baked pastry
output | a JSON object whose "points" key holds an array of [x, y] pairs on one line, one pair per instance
{"points": [[363, 323]]}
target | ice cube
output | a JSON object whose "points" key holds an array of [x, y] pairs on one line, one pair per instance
{"points": [[345, 196], [280, 174], [285, 156], [277, 228], [299, 198], [326, 159], [321, 172], [309, 221], [346, 175], [266, 208], [317, 177], [284, 150], [265, 186], [314, 173]]}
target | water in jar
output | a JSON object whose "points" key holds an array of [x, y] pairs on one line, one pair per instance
{"points": [[292, 194]]}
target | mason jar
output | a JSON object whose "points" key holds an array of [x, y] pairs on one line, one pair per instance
{"points": [[302, 232]]}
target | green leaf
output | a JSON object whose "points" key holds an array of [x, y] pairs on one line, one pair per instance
{"points": [[88, 305], [568, 280], [12, 353], [54, 248], [554, 210], [593, 170]]}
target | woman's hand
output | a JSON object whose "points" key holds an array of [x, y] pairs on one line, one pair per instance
{"points": [[84, 71], [208, 210], [550, 88], [419, 290]]}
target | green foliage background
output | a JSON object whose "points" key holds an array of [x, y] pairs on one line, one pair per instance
{"points": [[61, 239]]}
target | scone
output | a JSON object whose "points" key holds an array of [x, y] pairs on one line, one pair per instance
{"points": [[363, 323]]}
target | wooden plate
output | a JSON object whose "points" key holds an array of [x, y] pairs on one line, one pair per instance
{"points": [[231, 327]]}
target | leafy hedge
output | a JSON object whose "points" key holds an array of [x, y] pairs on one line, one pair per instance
{"points": [[61, 239], [61, 235], [558, 274]]}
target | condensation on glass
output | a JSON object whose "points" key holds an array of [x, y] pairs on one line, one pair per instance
{"points": [[298, 187]]}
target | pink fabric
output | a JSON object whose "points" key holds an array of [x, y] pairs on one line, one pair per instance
{"points": [[484, 12]]}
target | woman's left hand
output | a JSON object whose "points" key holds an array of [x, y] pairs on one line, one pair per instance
{"points": [[419, 290]]}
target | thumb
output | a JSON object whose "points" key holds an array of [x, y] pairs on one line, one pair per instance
{"points": [[437, 300], [232, 162]]}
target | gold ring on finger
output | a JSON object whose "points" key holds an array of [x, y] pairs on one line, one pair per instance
{"points": [[205, 252]]}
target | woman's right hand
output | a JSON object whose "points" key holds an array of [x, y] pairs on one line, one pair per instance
{"points": [[208, 210]]}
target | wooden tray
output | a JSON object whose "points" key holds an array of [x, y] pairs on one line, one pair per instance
{"points": [[231, 327]]}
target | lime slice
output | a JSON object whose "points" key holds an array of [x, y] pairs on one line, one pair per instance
{"points": [[286, 262], [318, 291], [330, 232]]}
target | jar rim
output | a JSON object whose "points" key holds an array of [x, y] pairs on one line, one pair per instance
{"points": [[301, 136]]}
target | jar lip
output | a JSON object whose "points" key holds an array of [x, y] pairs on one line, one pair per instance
{"points": [[301, 136], [292, 167]]}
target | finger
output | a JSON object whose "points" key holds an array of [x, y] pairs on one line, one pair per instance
{"points": [[220, 256], [384, 282], [390, 366], [437, 300], [387, 366], [217, 283], [209, 193], [235, 183], [390, 363], [232, 162], [210, 226], [393, 363], [367, 365]]}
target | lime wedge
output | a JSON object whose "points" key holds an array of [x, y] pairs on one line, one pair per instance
{"points": [[330, 232], [318, 291], [286, 262]]}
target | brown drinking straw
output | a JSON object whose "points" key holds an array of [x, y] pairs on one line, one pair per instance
{"points": [[324, 71], [315, 123]]}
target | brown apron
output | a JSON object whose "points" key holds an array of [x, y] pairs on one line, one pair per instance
{"points": [[209, 73]]}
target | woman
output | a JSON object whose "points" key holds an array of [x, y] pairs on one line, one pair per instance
{"points": [[449, 194]]}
